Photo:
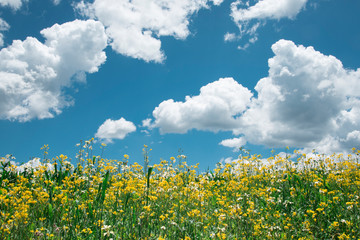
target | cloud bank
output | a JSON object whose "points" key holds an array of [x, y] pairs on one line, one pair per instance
{"points": [[135, 27], [249, 18], [115, 129], [34, 75], [308, 100]]}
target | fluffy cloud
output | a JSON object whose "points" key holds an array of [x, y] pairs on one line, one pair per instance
{"points": [[235, 143], [250, 18], [135, 26], [308, 100], [33, 75], [214, 109], [267, 9], [146, 123], [14, 4], [115, 129]]}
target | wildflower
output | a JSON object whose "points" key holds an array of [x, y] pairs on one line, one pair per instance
{"points": [[147, 208], [344, 236], [335, 224], [106, 229]]}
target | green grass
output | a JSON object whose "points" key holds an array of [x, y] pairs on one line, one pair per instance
{"points": [[311, 198]]}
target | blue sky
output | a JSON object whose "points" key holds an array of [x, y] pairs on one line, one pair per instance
{"points": [[206, 77]]}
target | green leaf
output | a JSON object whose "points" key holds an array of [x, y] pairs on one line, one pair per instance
{"points": [[90, 211], [102, 188], [148, 176], [50, 210], [47, 175]]}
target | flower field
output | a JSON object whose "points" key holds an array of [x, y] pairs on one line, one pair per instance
{"points": [[309, 197]]}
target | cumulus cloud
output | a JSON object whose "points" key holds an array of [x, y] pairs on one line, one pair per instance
{"points": [[115, 129], [14, 4], [234, 143], [214, 109], [34, 75], [308, 100], [249, 18], [267, 9], [135, 27]]}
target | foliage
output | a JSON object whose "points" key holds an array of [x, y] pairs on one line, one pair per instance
{"points": [[311, 198]]}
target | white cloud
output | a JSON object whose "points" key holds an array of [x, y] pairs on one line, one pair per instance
{"points": [[33, 75], [14, 4], [4, 26], [146, 123], [250, 18], [214, 109], [228, 160], [136, 26], [56, 2], [267, 9], [230, 37], [235, 143], [115, 129], [35, 164], [308, 100], [1, 40]]}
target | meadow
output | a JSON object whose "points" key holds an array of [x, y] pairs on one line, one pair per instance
{"points": [[302, 197]]}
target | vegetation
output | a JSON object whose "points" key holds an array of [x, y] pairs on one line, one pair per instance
{"points": [[309, 198]]}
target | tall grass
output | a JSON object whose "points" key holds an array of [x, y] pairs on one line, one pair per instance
{"points": [[252, 198]]}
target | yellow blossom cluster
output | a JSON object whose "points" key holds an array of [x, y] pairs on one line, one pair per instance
{"points": [[315, 197]]}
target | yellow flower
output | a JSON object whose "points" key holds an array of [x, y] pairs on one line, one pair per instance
{"points": [[335, 224], [147, 208]]}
